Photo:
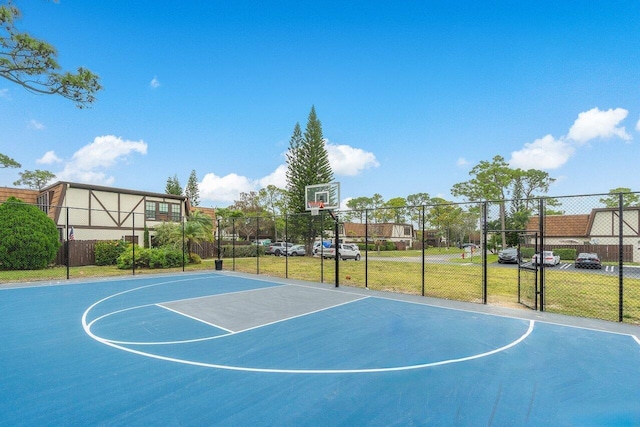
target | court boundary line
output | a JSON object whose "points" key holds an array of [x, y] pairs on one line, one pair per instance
{"points": [[317, 371], [87, 328]]}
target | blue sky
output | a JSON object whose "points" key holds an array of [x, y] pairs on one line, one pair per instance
{"points": [[411, 94]]}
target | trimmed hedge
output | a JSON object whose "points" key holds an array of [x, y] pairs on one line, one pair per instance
{"points": [[242, 251], [527, 252], [150, 258], [29, 239], [386, 246], [566, 254]]}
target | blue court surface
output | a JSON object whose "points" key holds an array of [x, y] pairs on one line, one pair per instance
{"points": [[230, 349]]}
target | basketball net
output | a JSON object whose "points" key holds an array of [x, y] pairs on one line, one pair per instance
{"points": [[315, 207]]}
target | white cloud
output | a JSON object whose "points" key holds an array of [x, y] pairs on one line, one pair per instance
{"points": [[103, 153], [344, 160], [462, 162], [34, 124], [544, 153], [154, 83], [595, 123], [638, 126], [4, 93], [224, 188], [343, 204], [49, 158], [349, 161], [277, 178]]}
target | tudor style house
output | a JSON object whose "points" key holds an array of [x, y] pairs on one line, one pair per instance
{"points": [[400, 234], [594, 232], [91, 212]]}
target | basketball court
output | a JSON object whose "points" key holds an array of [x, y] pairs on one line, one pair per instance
{"points": [[232, 349]]}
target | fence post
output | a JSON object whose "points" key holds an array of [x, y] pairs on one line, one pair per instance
{"points": [[620, 258], [366, 248], [322, 246], [540, 258], [66, 242], [423, 232], [233, 242], [484, 252], [337, 255], [182, 223], [133, 244]]}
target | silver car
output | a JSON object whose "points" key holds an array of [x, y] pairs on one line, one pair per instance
{"points": [[296, 250]]}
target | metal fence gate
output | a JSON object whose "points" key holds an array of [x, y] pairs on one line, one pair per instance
{"points": [[528, 283]]}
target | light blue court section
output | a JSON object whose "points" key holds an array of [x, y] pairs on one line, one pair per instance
{"points": [[151, 324], [374, 361]]}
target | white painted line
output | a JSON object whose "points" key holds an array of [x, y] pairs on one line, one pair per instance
{"points": [[195, 318], [208, 338], [307, 371], [636, 338]]}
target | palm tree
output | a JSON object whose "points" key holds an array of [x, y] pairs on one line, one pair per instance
{"points": [[198, 228]]}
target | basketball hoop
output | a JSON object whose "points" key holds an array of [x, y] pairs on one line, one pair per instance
{"points": [[315, 207]]}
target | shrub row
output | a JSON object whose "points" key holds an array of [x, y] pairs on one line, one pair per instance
{"points": [[150, 258], [242, 251], [386, 246], [108, 251]]}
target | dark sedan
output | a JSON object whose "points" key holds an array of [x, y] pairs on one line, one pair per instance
{"points": [[586, 260], [509, 255]]}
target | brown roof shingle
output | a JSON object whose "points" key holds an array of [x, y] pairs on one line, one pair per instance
{"points": [[561, 225]]}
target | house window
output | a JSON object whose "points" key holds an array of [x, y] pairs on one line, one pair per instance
{"points": [[162, 211], [175, 212], [43, 202], [150, 210], [407, 231]]}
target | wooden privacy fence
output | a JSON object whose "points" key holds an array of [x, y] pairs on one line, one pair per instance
{"points": [[81, 253]]}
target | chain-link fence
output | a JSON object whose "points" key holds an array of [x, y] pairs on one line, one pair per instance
{"points": [[520, 253]]}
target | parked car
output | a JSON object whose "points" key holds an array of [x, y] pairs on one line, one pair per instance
{"points": [[317, 249], [262, 242], [345, 251], [588, 260], [548, 258], [509, 255], [296, 250], [278, 248]]}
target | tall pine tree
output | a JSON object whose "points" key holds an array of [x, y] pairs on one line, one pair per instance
{"points": [[307, 162], [191, 191], [173, 186]]}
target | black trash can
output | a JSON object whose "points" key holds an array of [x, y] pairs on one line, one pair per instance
{"points": [[218, 264]]}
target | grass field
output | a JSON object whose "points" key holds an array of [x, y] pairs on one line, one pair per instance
{"points": [[582, 293]]}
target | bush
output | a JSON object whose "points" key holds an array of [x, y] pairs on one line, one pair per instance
{"points": [[108, 251], [242, 251], [527, 252], [150, 258], [195, 259], [565, 253], [29, 239]]}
